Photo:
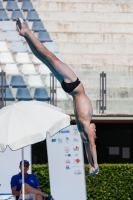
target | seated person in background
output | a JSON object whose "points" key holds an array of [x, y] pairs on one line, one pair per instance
{"points": [[32, 186]]}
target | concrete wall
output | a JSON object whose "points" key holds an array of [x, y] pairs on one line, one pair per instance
{"points": [[95, 36]]}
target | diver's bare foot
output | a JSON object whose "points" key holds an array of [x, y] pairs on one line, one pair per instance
{"points": [[21, 27], [96, 169], [92, 169]]}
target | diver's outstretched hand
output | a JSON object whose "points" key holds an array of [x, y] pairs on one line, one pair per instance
{"points": [[21, 27]]}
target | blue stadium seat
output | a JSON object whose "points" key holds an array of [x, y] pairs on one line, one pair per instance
{"points": [[41, 94], [26, 6], [23, 94], [9, 96], [17, 81], [12, 5], [1, 6], [32, 16], [15, 14], [3, 15], [38, 26], [44, 37], [4, 82]]}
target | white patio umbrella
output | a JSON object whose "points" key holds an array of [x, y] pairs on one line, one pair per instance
{"points": [[28, 122]]}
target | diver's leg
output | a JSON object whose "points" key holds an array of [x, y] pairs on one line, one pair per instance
{"points": [[87, 146], [90, 133], [88, 153], [40, 57], [48, 57]]}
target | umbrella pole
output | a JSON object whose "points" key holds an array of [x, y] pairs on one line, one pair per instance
{"points": [[23, 191]]}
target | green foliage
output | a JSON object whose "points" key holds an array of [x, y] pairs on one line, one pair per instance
{"points": [[114, 181], [42, 173]]}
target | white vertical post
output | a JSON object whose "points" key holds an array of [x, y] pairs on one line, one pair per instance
{"points": [[23, 192]]}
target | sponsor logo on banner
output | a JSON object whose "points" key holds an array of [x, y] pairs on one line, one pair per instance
{"points": [[77, 166], [68, 161], [67, 140], [64, 131], [76, 154], [60, 140], [53, 140], [75, 131], [67, 167], [77, 160], [66, 149], [76, 148], [75, 140], [68, 155], [77, 172]]}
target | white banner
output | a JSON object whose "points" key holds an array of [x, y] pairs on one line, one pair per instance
{"points": [[66, 165]]}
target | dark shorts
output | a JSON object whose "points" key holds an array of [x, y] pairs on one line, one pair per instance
{"points": [[69, 87]]}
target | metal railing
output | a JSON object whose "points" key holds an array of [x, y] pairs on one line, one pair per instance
{"points": [[101, 104], [53, 90], [2, 89]]}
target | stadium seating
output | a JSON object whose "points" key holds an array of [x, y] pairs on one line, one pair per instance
{"points": [[28, 48], [3, 15], [26, 6], [35, 81], [15, 14], [9, 96], [17, 47], [1, 6], [47, 82], [17, 81], [41, 94], [8, 0], [44, 70], [11, 69], [36, 60], [61, 95], [22, 58], [38, 26], [32, 16], [23, 94], [3, 47], [51, 47], [6, 58], [12, 5], [1, 37], [12, 36], [28, 69], [4, 82], [22, 0], [44, 37], [7, 26]]}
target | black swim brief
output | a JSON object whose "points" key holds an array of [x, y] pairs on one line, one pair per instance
{"points": [[69, 87]]}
